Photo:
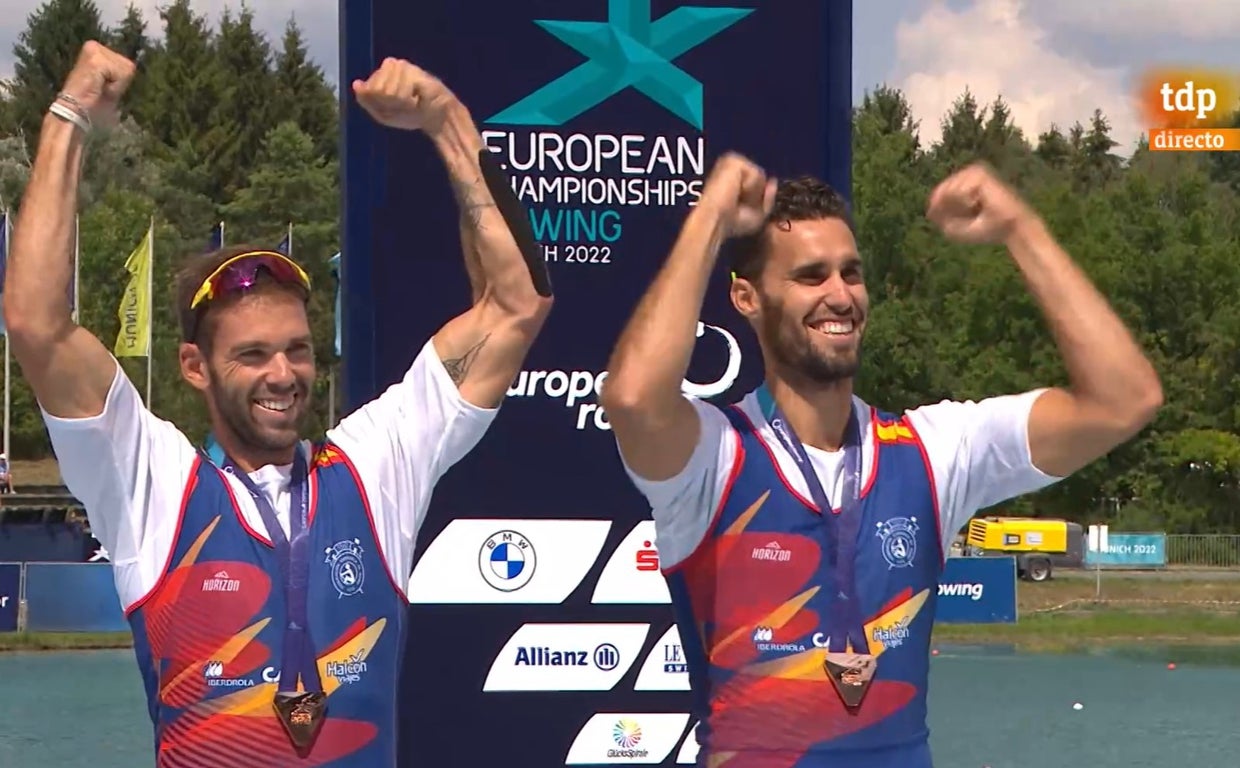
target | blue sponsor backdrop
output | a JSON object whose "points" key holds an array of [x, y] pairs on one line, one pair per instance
{"points": [[607, 152], [977, 590], [1131, 550], [54, 543], [72, 597], [10, 595]]}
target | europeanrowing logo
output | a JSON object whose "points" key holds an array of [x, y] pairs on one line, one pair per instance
{"points": [[507, 561], [898, 541], [345, 560], [629, 50], [576, 388]]}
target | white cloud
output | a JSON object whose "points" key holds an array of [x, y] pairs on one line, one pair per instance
{"points": [[993, 48], [1145, 19]]}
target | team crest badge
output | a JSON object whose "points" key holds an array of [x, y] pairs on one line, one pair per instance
{"points": [[345, 560], [898, 541]]}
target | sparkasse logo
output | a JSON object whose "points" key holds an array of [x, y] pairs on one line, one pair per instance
{"points": [[1190, 109]]}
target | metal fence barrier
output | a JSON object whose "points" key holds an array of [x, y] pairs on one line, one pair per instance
{"points": [[1206, 550]]}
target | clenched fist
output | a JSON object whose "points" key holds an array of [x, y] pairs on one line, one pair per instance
{"points": [[738, 191], [98, 80], [974, 206], [402, 95]]}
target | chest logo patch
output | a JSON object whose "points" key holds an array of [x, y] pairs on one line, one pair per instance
{"points": [[345, 560], [898, 540]]}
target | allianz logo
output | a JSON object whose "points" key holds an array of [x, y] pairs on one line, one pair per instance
{"points": [[961, 589], [605, 657]]}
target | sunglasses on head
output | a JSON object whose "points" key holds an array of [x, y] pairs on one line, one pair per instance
{"points": [[240, 273]]}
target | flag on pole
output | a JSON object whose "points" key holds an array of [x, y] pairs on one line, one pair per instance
{"points": [[335, 263], [8, 358], [286, 245], [216, 240], [4, 264], [134, 339], [73, 283]]}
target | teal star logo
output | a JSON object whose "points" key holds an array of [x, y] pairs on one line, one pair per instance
{"points": [[629, 50]]}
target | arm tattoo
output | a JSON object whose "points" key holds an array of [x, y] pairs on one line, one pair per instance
{"points": [[471, 201], [458, 367]]}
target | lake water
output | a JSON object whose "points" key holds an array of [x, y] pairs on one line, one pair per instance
{"points": [[989, 707]]}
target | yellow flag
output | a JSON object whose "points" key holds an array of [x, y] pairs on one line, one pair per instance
{"points": [[134, 339]]}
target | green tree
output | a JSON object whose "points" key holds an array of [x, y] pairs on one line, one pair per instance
{"points": [[129, 39], [240, 118], [44, 54], [182, 85], [303, 95], [1054, 149]]}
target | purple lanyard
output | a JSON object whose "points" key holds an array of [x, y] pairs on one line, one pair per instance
{"points": [[294, 562], [844, 625]]}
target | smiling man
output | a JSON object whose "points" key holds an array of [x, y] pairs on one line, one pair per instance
{"points": [[263, 574], [802, 531]]}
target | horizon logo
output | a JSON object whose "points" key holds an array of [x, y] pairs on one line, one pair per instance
{"points": [[629, 50], [772, 552], [221, 582]]}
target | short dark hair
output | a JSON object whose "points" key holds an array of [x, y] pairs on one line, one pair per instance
{"points": [[196, 325], [804, 198]]}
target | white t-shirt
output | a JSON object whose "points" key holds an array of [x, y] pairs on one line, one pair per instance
{"points": [[129, 469], [979, 452]]}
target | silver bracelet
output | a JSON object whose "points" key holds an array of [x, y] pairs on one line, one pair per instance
{"points": [[69, 115], [72, 101]]}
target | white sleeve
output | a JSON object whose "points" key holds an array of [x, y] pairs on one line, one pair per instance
{"points": [[129, 469], [402, 442], [979, 452], [684, 506]]}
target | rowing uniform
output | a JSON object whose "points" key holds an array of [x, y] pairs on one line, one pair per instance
{"points": [[746, 555], [200, 583]]}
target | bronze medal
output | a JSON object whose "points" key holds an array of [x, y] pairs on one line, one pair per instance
{"points": [[302, 715], [851, 673]]}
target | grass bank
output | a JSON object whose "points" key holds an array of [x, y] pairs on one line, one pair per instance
{"points": [[1067, 613], [1070, 612], [63, 641]]}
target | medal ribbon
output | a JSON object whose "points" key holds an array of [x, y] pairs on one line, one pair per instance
{"points": [[292, 555], [845, 629]]}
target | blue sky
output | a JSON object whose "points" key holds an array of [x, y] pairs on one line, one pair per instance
{"points": [[1053, 61]]}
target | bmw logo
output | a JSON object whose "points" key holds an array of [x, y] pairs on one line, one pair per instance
{"points": [[507, 561]]}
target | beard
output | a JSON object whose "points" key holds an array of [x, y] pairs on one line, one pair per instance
{"points": [[235, 408], [790, 343]]}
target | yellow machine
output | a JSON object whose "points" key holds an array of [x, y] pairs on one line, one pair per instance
{"points": [[1038, 543]]}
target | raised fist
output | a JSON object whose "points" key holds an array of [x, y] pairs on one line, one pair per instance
{"points": [[402, 95], [739, 193], [974, 206], [98, 80]]}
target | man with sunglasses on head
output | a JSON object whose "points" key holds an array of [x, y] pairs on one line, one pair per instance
{"points": [[263, 575]]}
